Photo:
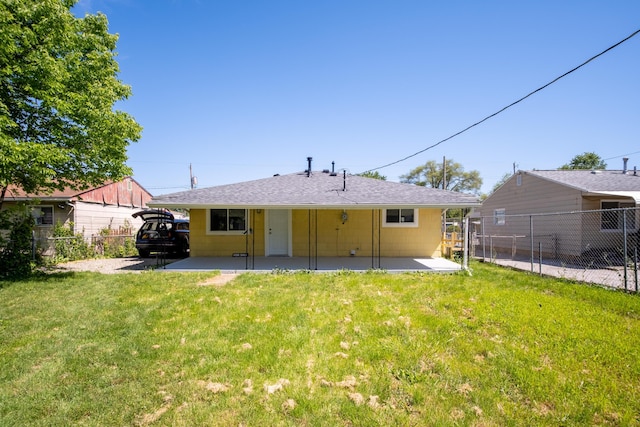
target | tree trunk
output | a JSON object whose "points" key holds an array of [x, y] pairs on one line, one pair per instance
{"points": [[3, 191]]}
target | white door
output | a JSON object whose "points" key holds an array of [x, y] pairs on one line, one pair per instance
{"points": [[278, 232]]}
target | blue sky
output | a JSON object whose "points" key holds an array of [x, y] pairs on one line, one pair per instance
{"points": [[243, 90]]}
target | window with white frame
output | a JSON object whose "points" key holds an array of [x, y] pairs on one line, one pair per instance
{"points": [[43, 215], [400, 218], [613, 214], [499, 216], [227, 221]]}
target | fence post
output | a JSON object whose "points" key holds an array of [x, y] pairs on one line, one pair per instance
{"points": [[492, 259], [465, 245], [635, 266], [624, 246], [531, 234], [540, 258], [484, 237]]}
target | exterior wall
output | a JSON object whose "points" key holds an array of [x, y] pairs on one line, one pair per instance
{"points": [[533, 195], [93, 210], [558, 235], [205, 245], [90, 218], [62, 215], [110, 206], [424, 241], [333, 238], [593, 237], [125, 193]]}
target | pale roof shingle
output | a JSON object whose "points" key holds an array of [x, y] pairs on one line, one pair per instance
{"points": [[319, 190], [592, 181]]}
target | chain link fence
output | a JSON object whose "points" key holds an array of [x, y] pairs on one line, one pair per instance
{"points": [[599, 247]]}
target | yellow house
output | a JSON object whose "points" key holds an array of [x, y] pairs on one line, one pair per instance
{"points": [[316, 214]]}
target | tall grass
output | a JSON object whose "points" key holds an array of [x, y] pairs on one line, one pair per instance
{"points": [[496, 348]]}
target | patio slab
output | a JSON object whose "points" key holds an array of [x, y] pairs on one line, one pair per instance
{"points": [[321, 264]]}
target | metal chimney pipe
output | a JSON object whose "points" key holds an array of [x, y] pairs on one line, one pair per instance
{"points": [[309, 168], [624, 162]]}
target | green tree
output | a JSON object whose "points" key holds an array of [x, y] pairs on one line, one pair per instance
{"points": [[58, 88], [432, 174], [502, 180], [374, 175], [586, 160]]}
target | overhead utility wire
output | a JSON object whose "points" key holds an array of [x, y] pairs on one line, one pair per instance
{"points": [[622, 155], [508, 106]]}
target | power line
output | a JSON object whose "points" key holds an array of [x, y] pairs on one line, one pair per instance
{"points": [[184, 187], [508, 106], [622, 155]]}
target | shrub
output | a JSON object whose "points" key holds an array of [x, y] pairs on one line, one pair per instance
{"points": [[115, 243], [16, 244], [70, 246]]}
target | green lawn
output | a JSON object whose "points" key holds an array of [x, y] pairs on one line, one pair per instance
{"points": [[496, 348]]}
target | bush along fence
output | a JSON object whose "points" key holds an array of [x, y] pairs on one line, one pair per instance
{"points": [[599, 247], [24, 246], [63, 244]]}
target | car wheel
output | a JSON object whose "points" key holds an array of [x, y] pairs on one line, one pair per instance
{"points": [[144, 253], [184, 248]]}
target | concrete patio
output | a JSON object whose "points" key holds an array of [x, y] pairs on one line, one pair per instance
{"points": [[320, 264]]}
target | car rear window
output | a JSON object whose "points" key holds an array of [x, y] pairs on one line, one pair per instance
{"points": [[155, 226]]}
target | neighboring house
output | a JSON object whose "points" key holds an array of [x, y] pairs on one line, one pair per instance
{"points": [[318, 214], [90, 210], [512, 210]]}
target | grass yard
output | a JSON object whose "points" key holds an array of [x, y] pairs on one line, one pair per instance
{"points": [[497, 348]]}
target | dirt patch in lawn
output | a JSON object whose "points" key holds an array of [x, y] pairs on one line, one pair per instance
{"points": [[113, 265], [219, 280]]}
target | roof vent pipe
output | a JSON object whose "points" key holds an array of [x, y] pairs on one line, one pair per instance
{"points": [[624, 167], [309, 168], [333, 169], [344, 180]]}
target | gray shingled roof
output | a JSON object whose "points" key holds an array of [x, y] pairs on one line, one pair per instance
{"points": [[319, 190], [593, 181]]}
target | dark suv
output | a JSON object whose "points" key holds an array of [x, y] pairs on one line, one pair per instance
{"points": [[161, 232]]}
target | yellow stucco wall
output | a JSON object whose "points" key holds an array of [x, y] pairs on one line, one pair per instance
{"points": [[203, 244], [422, 241], [334, 238]]}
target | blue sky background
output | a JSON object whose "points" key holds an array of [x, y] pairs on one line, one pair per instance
{"points": [[246, 89]]}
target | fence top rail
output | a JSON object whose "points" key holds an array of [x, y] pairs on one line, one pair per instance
{"points": [[527, 215], [512, 236], [109, 236]]}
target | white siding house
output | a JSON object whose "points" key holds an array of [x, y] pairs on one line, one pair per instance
{"points": [[534, 197]]}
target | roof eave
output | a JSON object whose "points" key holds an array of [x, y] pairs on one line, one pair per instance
{"points": [[635, 195], [40, 199], [358, 206]]}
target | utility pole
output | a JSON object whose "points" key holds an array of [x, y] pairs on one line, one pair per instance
{"points": [[192, 179], [444, 173]]}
